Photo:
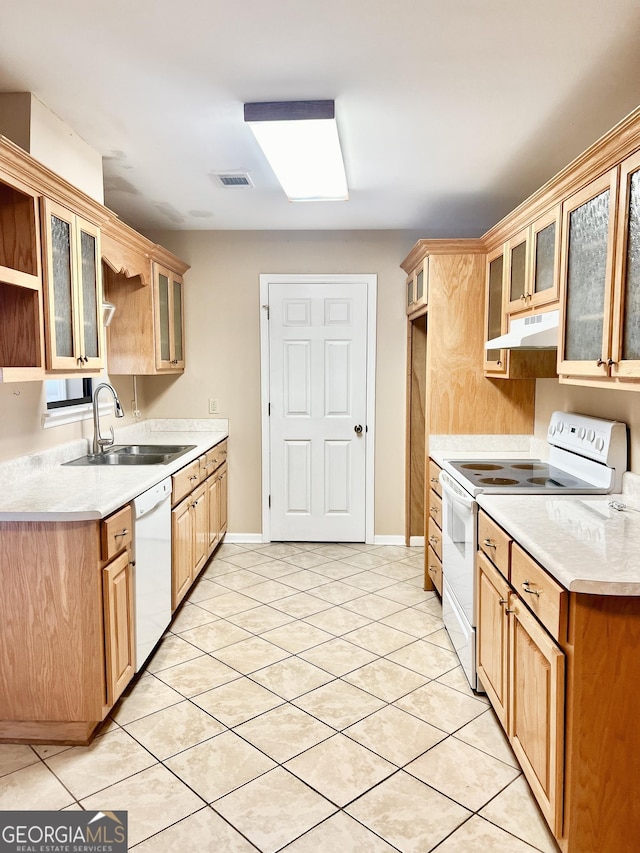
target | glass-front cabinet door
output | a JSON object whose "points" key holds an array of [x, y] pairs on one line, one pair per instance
{"points": [[517, 264], [545, 258], [418, 287], [169, 302], [586, 278], [625, 349], [73, 289], [495, 361]]}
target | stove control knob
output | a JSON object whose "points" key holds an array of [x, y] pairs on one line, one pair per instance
{"points": [[599, 443], [582, 432], [560, 426], [591, 435], [552, 429]]}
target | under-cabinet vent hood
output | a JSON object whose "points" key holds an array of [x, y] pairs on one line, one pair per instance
{"points": [[538, 331]]}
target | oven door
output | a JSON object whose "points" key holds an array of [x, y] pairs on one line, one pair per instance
{"points": [[459, 544]]}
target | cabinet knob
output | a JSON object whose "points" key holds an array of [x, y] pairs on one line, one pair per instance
{"points": [[610, 362], [488, 543], [523, 298], [599, 362], [503, 601], [499, 363]]}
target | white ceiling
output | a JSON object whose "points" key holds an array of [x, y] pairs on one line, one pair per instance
{"points": [[450, 112]]}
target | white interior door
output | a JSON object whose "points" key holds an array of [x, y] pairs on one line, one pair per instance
{"points": [[318, 411]]}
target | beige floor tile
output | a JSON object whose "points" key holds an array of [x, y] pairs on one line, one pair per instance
{"points": [[247, 559], [173, 729], [219, 765], [237, 701], [400, 571], [190, 616], [291, 677], [458, 680], [285, 732], [15, 756], [408, 814], [334, 552], [441, 638], [204, 590], [338, 656], [274, 569], [386, 680], [426, 658], [306, 560], [374, 606], [33, 787], [441, 706], [337, 592], [392, 553], [154, 799], [414, 622], [338, 571], [340, 833], [261, 618], [197, 832], [340, 769], [405, 593], [337, 620], [395, 735], [432, 606], [215, 635], [46, 750], [228, 549], [228, 604], [414, 560], [339, 704], [516, 811], [217, 568], [270, 590], [305, 579], [380, 639], [463, 773], [274, 809], [196, 676], [249, 655], [278, 550], [109, 759], [240, 579], [478, 836], [172, 650], [369, 581], [147, 695], [364, 560], [486, 734], [301, 604], [297, 636]]}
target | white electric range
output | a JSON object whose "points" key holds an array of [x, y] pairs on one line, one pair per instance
{"points": [[586, 456]]}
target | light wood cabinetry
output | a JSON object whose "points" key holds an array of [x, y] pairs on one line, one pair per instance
{"points": [[418, 288], [199, 517], [66, 627], [73, 290], [433, 551], [168, 291], [559, 669], [495, 361], [533, 265]]}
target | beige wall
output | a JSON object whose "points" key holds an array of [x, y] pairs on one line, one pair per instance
{"points": [[613, 404], [223, 347]]}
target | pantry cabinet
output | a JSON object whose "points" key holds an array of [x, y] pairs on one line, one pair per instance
{"points": [[73, 290]]}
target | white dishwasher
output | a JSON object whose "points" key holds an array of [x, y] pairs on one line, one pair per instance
{"points": [[152, 567]]}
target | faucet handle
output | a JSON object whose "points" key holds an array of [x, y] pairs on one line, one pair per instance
{"points": [[107, 442]]}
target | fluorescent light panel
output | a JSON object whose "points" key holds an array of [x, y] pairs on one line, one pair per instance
{"points": [[300, 141]]}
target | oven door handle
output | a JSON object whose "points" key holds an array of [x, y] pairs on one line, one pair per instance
{"points": [[467, 502]]}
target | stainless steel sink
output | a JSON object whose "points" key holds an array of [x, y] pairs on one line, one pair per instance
{"points": [[135, 454]]}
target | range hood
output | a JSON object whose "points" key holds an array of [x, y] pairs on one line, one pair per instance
{"points": [[538, 331]]}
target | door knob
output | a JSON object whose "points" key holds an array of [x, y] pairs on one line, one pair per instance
{"points": [[358, 429]]}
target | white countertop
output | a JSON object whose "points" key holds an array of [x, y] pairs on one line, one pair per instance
{"points": [[585, 544], [40, 488], [447, 447]]}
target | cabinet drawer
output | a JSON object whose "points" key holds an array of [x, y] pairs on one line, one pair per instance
{"points": [[435, 507], [116, 532], [540, 592], [494, 542], [434, 568], [434, 473], [185, 481], [435, 538], [212, 459]]}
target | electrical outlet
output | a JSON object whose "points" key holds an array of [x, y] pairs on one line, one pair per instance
{"points": [[213, 406]]}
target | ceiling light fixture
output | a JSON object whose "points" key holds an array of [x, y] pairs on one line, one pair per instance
{"points": [[300, 141]]}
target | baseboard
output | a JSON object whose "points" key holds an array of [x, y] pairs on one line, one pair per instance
{"points": [[416, 542], [243, 538], [388, 540]]}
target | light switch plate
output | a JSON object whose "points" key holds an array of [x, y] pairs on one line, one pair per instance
{"points": [[213, 406]]}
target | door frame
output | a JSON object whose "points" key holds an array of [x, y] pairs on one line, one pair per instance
{"points": [[371, 281]]}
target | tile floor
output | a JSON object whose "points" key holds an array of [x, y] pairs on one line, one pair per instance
{"points": [[306, 699]]}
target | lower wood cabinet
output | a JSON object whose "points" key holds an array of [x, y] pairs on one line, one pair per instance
{"points": [[119, 626]]}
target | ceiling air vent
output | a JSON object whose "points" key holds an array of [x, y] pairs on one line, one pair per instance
{"points": [[234, 179]]}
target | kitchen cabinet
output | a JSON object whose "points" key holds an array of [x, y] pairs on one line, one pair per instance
{"points": [[495, 361], [73, 290], [169, 313], [433, 551], [66, 626], [533, 265], [418, 288], [559, 669]]}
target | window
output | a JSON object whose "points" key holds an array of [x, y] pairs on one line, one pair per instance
{"points": [[62, 393]]}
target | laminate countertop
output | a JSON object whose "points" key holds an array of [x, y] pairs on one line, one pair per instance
{"points": [[40, 487]]}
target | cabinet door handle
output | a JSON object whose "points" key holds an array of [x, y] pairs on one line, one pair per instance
{"points": [[488, 543], [502, 601], [523, 298], [525, 586], [434, 540], [599, 362], [611, 362], [434, 509], [435, 480], [124, 533], [195, 477]]}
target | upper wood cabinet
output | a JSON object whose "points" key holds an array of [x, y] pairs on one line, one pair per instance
{"points": [[532, 265], [418, 287], [73, 290], [625, 328], [586, 276], [169, 314], [495, 361]]}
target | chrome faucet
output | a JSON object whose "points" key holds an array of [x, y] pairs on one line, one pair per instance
{"points": [[99, 443]]}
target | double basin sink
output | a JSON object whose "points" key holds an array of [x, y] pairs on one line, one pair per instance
{"points": [[135, 454]]}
